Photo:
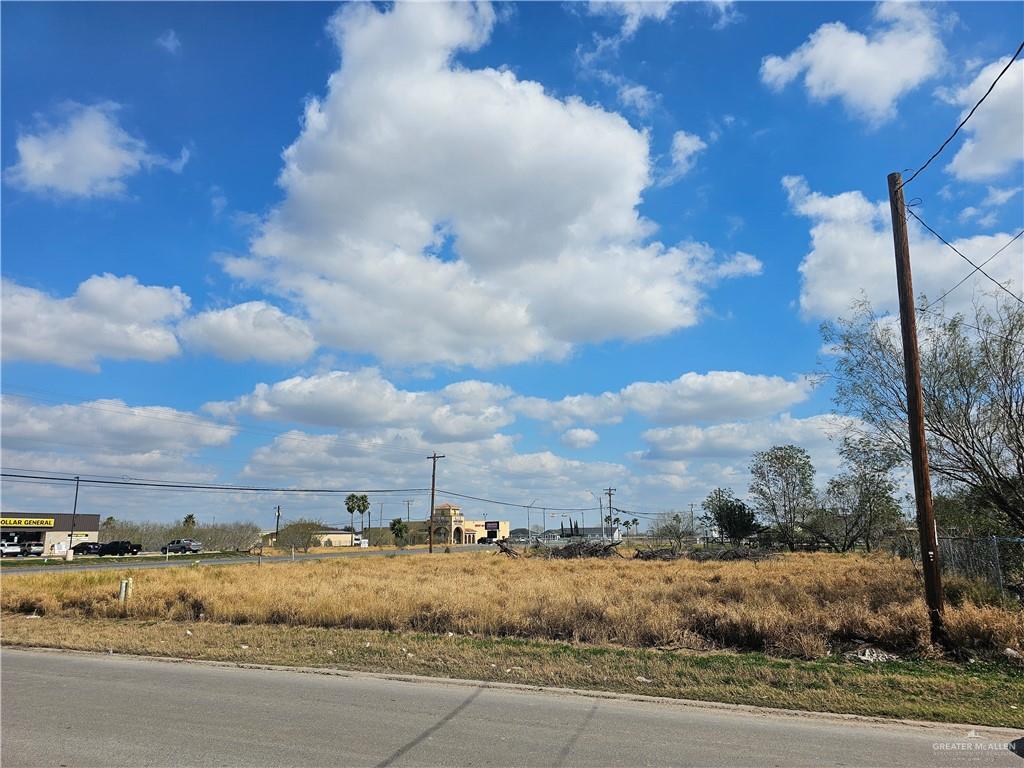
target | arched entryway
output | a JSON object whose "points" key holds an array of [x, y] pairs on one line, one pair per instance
{"points": [[457, 535]]}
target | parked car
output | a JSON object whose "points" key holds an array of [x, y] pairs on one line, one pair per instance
{"points": [[33, 548], [119, 548], [87, 548], [10, 549], [184, 546]]}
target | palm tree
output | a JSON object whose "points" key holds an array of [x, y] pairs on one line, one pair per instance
{"points": [[635, 523], [357, 503]]}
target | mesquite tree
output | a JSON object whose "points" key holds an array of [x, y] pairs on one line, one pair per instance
{"points": [[782, 485], [734, 519], [973, 384]]}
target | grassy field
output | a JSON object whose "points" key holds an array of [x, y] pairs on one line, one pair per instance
{"points": [[770, 633], [796, 606]]}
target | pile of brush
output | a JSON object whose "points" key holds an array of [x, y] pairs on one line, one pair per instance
{"points": [[577, 549]]}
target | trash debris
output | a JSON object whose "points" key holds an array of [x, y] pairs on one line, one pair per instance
{"points": [[244, 647], [642, 679], [869, 655], [1010, 653], [188, 632]]}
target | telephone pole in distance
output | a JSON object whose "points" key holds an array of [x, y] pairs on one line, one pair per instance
{"points": [[610, 491], [915, 412], [433, 485]]}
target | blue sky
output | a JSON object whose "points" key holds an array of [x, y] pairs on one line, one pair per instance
{"points": [[567, 245]]}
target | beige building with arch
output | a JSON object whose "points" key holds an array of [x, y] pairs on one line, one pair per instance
{"points": [[452, 527]]}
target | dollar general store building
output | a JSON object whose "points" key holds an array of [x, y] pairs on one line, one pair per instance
{"points": [[54, 531]]}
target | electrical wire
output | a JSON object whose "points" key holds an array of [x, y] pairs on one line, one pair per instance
{"points": [[99, 481], [964, 121], [513, 504], [953, 248], [210, 486], [975, 328], [969, 274]]}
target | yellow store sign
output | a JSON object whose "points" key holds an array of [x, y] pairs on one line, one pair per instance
{"points": [[26, 522]]}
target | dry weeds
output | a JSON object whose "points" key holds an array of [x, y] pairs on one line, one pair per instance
{"points": [[804, 606]]}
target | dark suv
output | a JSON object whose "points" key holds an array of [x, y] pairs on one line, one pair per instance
{"points": [[119, 548], [184, 546]]}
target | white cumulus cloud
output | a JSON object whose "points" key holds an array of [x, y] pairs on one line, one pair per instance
{"points": [[505, 216], [254, 330], [993, 146], [870, 72], [693, 397], [87, 154], [852, 255], [362, 399], [580, 438], [108, 316]]}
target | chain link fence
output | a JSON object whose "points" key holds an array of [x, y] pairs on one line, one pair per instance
{"points": [[997, 560]]}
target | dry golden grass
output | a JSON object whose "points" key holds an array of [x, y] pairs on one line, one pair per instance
{"points": [[804, 605]]}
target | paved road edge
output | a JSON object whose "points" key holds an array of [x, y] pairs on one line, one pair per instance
{"points": [[984, 731]]}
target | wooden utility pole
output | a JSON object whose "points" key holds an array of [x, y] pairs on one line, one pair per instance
{"points": [[610, 491], [277, 525], [433, 485], [915, 412], [408, 510]]}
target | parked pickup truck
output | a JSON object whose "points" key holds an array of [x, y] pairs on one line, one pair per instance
{"points": [[119, 548], [184, 546]]}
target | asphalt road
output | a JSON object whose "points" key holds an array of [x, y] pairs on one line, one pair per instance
{"points": [[61, 709], [177, 561]]}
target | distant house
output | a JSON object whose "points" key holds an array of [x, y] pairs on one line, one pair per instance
{"points": [[327, 536]]}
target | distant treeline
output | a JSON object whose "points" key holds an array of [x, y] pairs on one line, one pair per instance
{"points": [[152, 536]]}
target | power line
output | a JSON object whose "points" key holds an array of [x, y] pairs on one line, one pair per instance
{"points": [[964, 121], [212, 487], [55, 479], [513, 504], [958, 253], [969, 274], [975, 328]]}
